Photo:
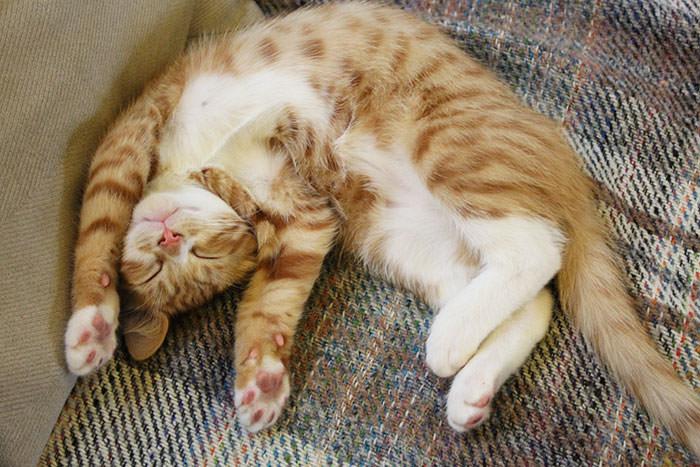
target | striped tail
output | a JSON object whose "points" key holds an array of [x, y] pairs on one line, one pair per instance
{"points": [[592, 288]]}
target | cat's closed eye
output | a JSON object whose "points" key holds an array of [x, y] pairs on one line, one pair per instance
{"points": [[158, 269], [137, 273], [203, 255]]}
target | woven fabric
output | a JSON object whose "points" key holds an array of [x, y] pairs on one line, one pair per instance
{"points": [[623, 78]]}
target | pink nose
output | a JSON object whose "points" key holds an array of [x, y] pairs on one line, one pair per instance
{"points": [[169, 237]]}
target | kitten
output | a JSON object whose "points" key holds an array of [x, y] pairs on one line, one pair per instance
{"points": [[361, 125]]}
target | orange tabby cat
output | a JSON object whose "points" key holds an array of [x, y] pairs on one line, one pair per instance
{"points": [[255, 152]]}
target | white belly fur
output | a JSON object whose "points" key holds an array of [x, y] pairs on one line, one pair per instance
{"points": [[220, 118], [420, 242]]}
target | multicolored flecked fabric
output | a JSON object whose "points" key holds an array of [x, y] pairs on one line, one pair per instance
{"points": [[623, 78]]}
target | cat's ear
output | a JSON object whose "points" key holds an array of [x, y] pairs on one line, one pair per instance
{"points": [[144, 333]]}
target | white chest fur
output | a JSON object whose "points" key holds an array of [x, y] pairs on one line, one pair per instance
{"points": [[418, 240], [222, 120], [214, 108]]}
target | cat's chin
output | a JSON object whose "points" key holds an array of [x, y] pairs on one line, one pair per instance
{"points": [[158, 206]]}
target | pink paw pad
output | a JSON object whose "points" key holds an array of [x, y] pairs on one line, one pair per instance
{"points": [[84, 337], [483, 402], [268, 382], [257, 415], [279, 340], [90, 339], [101, 326], [474, 420]]}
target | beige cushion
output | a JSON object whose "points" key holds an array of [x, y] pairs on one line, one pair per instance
{"points": [[66, 67]]}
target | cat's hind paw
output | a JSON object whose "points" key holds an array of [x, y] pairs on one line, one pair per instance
{"points": [[469, 399], [90, 338], [450, 344], [260, 401], [463, 415]]}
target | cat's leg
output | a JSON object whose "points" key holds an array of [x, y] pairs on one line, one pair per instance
{"points": [[292, 243], [498, 357], [518, 257], [117, 176], [291, 255], [215, 179]]}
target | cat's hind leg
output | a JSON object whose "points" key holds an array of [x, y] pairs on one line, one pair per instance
{"points": [[519, 255], [498, 357]]}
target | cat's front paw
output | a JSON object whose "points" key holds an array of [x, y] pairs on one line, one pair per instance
{"points": [[261, 393], [450, 344], [208, 175], [469, 399], [91, 338]]}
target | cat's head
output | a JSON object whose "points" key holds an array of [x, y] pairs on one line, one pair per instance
{"points": [[183, 246]]}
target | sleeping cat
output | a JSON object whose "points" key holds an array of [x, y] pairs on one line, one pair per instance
{"points": [[357, 124]]}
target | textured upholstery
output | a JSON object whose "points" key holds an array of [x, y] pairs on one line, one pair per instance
{"points": [[623, 79]]}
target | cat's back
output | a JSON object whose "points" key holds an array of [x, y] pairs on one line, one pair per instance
{"points": [[375, 70], [369, 59], [339, 45], [354, 52]]}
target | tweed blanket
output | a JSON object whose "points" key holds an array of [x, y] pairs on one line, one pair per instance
{"points": [[623, 79]]}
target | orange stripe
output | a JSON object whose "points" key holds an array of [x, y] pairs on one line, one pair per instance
{"points": [[292, 265], [400, 53], [269, 50], [104, 224], [313, 48], [100, 166], [135, 178], [113, 188], [153, 164], [425, 138], [427, 71], [436, 102]]}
